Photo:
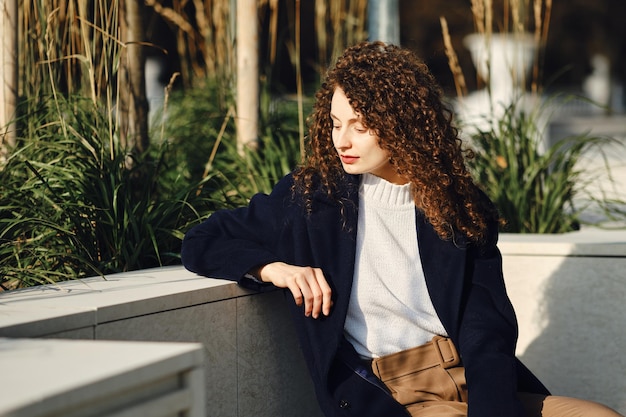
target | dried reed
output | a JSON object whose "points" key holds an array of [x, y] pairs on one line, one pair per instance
{"points": [[300, 93], [515, 13], [338, 24], [453, 61], [204, 40], [70, 45], [206, 45], [273, 30]]}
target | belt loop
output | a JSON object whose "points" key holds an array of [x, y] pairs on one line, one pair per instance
{"points": [[448, 359], [375, 369]]}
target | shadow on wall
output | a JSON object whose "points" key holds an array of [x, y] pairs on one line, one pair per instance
{"points": [[580, 351]]}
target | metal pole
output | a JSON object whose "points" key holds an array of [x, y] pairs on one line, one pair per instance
{"points": [[384, 21]]}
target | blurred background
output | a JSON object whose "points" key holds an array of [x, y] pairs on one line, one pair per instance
{"points": [[579, 30], [123, 119]]}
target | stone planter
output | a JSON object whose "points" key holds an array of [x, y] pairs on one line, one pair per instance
{"points": [[504, 61], [568, 291]]}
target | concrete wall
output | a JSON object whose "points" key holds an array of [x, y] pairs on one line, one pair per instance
{"points": [[568, 291], [94, 378], [253, 366]]}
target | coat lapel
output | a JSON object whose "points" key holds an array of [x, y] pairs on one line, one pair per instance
{"points": [[443, 262], [333, 242]]}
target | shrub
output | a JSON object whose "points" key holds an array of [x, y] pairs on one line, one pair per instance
{"points": [[537, 190], [69, 208]]}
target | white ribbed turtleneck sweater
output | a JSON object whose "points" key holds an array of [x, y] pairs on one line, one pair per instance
{"points": [[390, 309]]}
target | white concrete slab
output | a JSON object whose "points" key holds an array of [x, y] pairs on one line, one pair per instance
{"points": [[54, 377], [87, 302], [588, 241], [212, 324]]}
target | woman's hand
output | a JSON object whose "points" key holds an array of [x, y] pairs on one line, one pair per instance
{"points": [[308, 285]]}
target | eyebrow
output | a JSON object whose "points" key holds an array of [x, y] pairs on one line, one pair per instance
{"points": [[353, 120]]}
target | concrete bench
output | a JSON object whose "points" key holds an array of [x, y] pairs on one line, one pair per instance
{"points": [[568, 291]]}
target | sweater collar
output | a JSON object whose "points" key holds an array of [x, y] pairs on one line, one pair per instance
{"points": [[378, 190]]}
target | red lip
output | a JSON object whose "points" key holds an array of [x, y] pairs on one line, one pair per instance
{"points": [[347, 159]]}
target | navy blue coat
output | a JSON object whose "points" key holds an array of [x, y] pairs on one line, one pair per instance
{"points": [[464, 281]]}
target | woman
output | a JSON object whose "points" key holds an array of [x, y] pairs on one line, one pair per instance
{"points": [[389, 251]]}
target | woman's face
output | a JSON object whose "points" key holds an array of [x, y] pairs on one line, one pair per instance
{"points": [[356, 145]]}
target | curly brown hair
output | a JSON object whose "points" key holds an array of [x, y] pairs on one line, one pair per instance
{"points": [[397, 98]]}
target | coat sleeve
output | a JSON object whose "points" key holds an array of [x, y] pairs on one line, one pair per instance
{"points": [[232, 242]]}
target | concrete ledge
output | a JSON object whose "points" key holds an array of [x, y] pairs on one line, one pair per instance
{"points": [[47, 310], [568, 291], [65, 378], [586, 242], [246, 371]]}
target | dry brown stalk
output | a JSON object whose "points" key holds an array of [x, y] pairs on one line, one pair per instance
{"points": [[546, 21], [478, 11], [337, 18], [488, 5], [204, 40], [209, 165], [338, 24], [518, 24], [223, 46], [84, 30], [453, 61], [537, 6], [201, 18], [172, 16], [320, 32], [273, 4], [506, 13], [517, 13]]}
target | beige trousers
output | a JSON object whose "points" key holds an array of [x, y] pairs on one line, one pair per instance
{"points": [[430, 382]]}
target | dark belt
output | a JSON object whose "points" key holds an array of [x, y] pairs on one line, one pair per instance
{"points": [[440, 351]]}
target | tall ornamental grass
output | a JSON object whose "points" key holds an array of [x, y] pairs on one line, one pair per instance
{"points": [[202, 141], [539, 187], [69, 205], [69, 210], [205, 34]]}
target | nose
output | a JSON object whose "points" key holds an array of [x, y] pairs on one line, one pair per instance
{"points": [[341, 138]]}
